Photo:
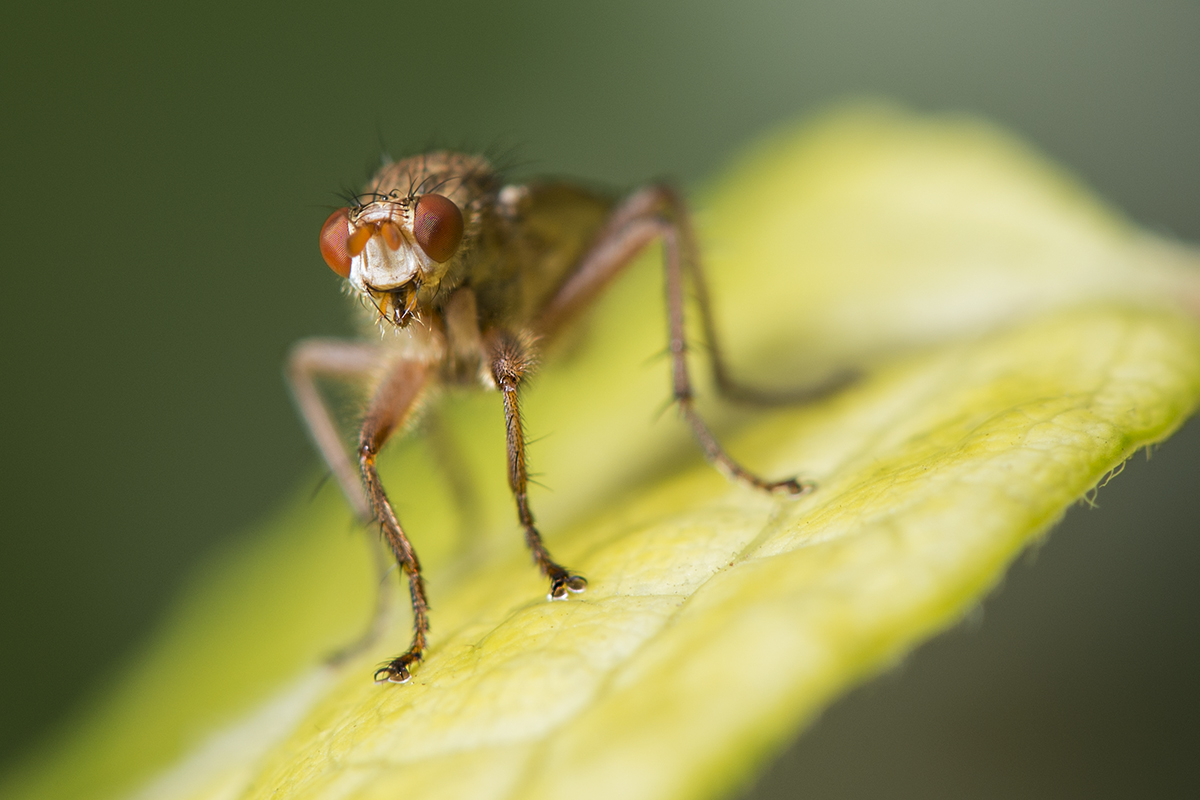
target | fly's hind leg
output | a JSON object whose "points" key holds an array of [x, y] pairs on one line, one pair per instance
{"points": [[658, 212], [511, 361], [729, 387]]}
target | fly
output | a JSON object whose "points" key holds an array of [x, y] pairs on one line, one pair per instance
{"points": [[473, 277]]}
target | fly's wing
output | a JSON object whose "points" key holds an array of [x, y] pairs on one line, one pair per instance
{"points": [[550, 226]]}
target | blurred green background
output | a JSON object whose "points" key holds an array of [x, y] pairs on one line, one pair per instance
{"points": [[166, 170]]}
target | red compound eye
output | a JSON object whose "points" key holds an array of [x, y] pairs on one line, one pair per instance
{"points": [[438, 227], [334, 245]]}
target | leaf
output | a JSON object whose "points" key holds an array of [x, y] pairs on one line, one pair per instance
{"points": [[1020, 341]]}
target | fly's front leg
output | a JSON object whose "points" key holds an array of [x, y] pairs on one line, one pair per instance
{"points": [[391, 405], [656, 212], [511, 361], [336, 358]]}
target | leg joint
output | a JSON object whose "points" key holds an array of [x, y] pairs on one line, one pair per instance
{"points": [[509, 366]]}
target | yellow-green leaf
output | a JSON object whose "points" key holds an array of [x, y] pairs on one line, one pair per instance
{"points": [[1019, 341]]}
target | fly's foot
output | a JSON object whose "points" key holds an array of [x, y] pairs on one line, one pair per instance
{"points": [[396, 670], [563, 582], [792, 487]]}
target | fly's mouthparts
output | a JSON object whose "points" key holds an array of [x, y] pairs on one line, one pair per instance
{"points": [[397, 306]]}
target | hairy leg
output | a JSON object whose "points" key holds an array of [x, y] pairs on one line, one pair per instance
{"points": [[311, 359], [652, 213], [511, 361], [616, 248], [392, 404]]}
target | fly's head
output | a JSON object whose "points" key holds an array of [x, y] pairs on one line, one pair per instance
{"points": [[401, 239]]}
